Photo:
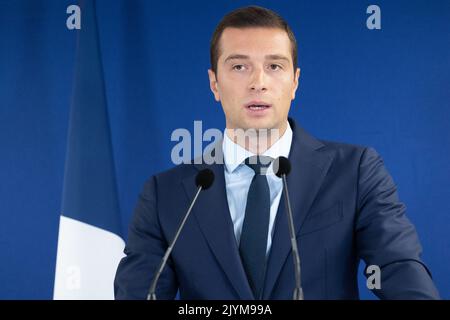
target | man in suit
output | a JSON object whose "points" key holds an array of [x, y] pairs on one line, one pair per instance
{"points": [[235, 244]]}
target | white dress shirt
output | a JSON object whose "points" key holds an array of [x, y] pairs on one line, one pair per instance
{"points": [[238, 177]]}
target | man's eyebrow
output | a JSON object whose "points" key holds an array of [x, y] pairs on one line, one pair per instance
{"points": [[237, 56], [277, 57], [245, 57]]}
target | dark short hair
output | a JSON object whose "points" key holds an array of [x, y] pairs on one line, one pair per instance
{"points": [[250, 17]]}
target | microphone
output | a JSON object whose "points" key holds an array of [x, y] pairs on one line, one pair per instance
{"points": [[203, 180], [283, 167]]}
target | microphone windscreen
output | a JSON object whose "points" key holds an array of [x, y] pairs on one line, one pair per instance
{"points": [[204, 178], [281, 166]]}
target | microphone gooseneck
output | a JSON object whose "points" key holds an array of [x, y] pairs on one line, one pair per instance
{"points": [[203, 181], [282, 170]]}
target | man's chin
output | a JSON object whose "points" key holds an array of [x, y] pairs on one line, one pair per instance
{"points": [[261, 125]]}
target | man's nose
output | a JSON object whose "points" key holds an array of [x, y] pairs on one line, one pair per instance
{"points": [[258, 81]]}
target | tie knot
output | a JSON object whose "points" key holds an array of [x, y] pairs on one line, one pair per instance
{"points": [[259, 164]]}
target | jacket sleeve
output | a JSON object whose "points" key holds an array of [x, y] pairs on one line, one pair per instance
{"points": [[386, 238], [144, 250]]}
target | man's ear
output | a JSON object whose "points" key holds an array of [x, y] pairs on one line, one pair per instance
{"points": [[213, 84], [296, 80]]}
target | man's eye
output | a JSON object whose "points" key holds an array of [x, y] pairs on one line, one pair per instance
{"points": [[275, 67], [238, 67]]}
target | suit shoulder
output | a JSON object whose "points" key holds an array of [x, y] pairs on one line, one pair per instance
{"points": [[177, 173], [345, 150], [343, 146]]}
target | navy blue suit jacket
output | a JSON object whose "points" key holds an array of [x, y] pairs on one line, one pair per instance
{"points": [[345, 208]]}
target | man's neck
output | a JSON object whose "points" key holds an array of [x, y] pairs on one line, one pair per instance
{"points": [[257, 141]]}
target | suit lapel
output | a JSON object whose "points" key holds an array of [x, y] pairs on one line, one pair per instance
{"points": [[212, 214], [309, 167]]}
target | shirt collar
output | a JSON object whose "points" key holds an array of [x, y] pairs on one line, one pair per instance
{"points": [[234, 154]]}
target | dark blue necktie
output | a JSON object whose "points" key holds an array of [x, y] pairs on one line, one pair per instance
{"points": [[253, 242]]}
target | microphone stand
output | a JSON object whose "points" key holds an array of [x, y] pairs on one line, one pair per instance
{"points": [[298, 291], [151, 294]]}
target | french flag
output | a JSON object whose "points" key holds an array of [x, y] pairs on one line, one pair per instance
{"points": [[89, 243]]}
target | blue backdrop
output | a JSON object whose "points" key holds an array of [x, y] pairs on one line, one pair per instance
{"points": [[387, 88]]}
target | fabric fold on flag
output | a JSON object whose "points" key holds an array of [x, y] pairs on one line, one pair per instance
{"points": [[89, 243]]}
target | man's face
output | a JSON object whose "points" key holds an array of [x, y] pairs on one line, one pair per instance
{"points": [[255, 68]]}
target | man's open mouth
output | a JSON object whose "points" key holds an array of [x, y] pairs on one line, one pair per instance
{"points": [[257, 105]]}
